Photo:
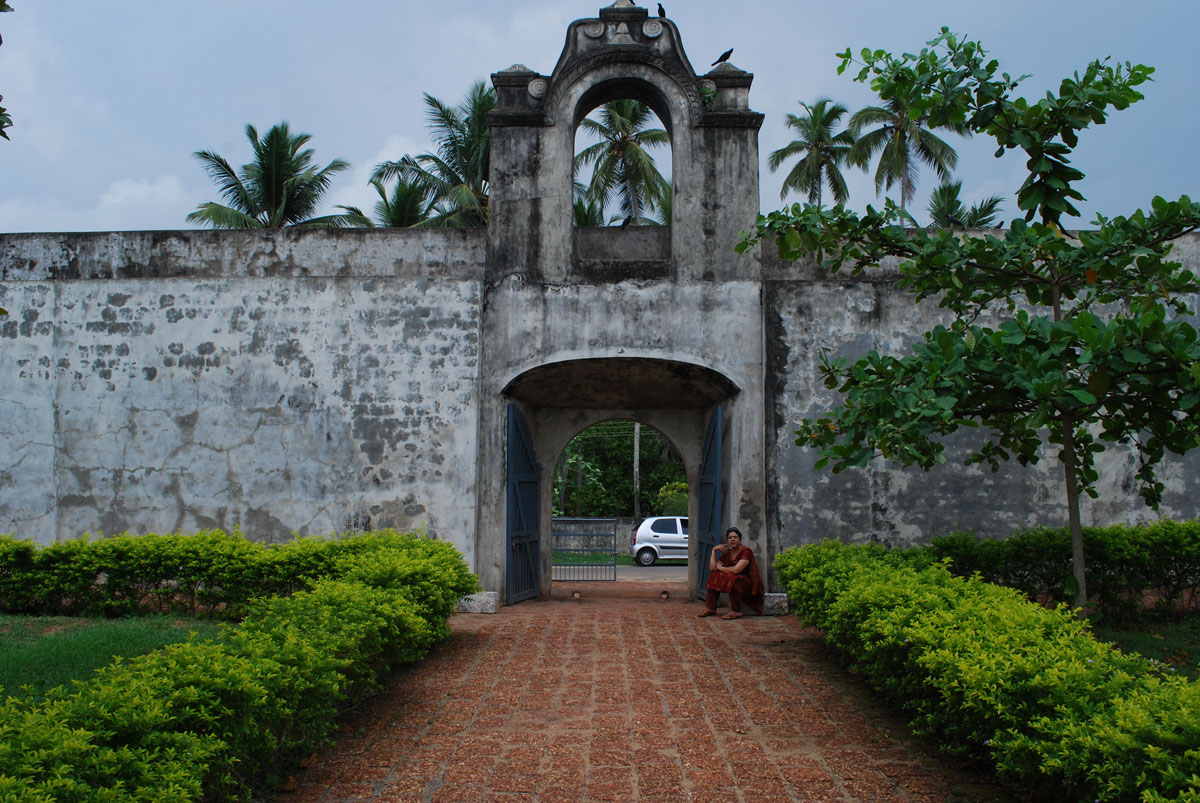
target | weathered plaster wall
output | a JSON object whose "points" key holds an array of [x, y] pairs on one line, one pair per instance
{"points": [[806, 314], [284, 382], [317, 381]]}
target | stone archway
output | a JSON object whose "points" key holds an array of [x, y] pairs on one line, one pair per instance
{"points": [[561, 399]]}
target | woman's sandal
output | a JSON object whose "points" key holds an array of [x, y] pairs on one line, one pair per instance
{"points": [[732, 615], [708, 613]]}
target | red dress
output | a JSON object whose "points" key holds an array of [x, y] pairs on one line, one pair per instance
{"points": [[746, 583]]}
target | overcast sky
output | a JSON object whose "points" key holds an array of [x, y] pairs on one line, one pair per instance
{"points": [[110, 99]]}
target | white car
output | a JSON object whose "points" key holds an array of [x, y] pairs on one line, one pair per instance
{"points": [[660, 537]]}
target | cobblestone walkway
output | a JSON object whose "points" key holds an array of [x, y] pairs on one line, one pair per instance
{"points": [[628, 700]]}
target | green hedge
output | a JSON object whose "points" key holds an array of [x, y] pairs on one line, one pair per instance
{"points": [[997, 678], [217, 720], [1124, 564], [210, 573]]}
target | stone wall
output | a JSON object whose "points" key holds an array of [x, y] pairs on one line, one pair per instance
{"points": [[808, 313], [279, 381], [315, 381]]}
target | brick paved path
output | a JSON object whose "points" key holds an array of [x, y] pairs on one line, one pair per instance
{"points": [[638, 700]]}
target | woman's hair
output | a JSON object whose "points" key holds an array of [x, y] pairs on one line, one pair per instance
{"points": [[733, 530]]}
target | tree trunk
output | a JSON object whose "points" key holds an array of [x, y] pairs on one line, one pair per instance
{"points": [[1074, 519], [561, 482], [1072, 483], [578, 485]]}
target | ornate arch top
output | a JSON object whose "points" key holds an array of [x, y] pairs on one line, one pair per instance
{"points": [[624, 53]]}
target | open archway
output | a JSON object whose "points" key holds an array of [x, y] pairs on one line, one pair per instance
{"points": [[557, 401]]}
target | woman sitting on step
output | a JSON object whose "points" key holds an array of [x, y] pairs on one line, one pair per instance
{"points": [[732, 569]]}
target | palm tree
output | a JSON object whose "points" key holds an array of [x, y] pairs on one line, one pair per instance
{"points": [[665, 202], [621, 167], [947, 211], [409, 204], [457, 175], [587, 213], [822, 151], [280, 187], [901, 143]]}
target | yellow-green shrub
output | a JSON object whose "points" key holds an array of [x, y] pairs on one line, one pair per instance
{"points": [[1124, 563], [214, 720], [996, 677]]}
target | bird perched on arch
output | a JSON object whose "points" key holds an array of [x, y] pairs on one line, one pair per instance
{"points": [[662, 12], [724, 57]]}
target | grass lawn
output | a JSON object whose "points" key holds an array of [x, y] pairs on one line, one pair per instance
{"points": [[1172, 640], [565, 558], [42, 652]]}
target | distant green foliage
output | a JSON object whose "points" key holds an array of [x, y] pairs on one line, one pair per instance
{"points": [[281, 186], [1125, 563], [822, 152], [622, 168], [216, 720], [946, 209], [673, 499], [452, 185], [997, 678], [594, 475]]}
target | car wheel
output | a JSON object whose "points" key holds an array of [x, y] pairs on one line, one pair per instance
{"points": [[646, 557]]}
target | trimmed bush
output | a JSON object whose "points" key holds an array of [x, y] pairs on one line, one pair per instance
{"points": [[1125, 564], [210, 573], [997, 678], [217, 720]]}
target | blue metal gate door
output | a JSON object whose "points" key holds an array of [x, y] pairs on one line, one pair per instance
{"points": [[524, 501], [709, 528]]}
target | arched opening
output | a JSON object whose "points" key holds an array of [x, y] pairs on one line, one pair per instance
{"points": [[622, 173], [619, 468], [611, 481], [559, 401]]}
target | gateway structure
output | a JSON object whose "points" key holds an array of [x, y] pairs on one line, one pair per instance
{"points": [[310, 381]]}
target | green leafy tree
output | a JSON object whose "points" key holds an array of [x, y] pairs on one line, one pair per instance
{"points": [[593, 476], [1080, 340], [408, 204], [673, 499], [622, 169], [902, 141], [822, 152], [281, 187], [946, 209], [5, 118], [456, 176]]}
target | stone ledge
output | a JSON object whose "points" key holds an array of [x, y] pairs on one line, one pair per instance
{"points": [[483, 602], [775, 604]]}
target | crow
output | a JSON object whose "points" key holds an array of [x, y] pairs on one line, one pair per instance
{"points": [[662, 12], [723, 58]]}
